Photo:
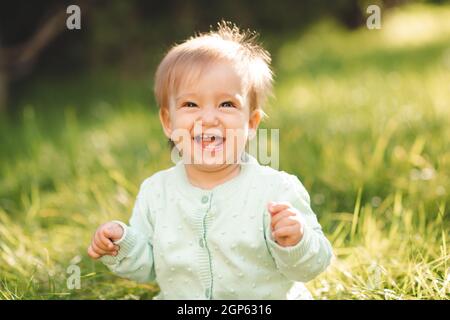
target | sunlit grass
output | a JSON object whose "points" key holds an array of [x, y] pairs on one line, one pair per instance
{"points": [[364, 123]]}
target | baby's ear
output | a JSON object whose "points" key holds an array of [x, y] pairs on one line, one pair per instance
{"points": [[164, 117], [255, 119]]}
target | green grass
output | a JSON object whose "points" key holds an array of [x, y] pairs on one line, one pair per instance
{"points": [[365, 124]]}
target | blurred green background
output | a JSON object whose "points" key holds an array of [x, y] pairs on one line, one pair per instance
{"points": [[364, 117]]}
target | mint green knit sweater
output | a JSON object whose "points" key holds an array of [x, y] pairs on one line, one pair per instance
{"points": [[217, 244]]}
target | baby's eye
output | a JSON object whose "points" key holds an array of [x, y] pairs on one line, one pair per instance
{"points": [[189, 104], [227, 104]]}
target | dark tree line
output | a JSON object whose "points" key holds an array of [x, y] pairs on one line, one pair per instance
{"points": [[34, 37]]}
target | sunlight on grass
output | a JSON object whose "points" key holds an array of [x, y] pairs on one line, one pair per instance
{"points": [[416, 25]]}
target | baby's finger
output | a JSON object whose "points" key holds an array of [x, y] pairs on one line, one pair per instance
{"points": [[101, 246], [279, 216], [113, 253], [284, 223], [285, 231], [103, 242], [98, 250], [92, 253], [276, 207], [113, 231]]}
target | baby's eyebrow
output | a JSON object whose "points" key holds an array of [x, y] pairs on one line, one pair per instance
{"points": [[221, 95], [228, 94], [234, 97], [181, 96]]}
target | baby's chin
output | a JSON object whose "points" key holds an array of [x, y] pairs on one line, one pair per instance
{"points": [[211, 161], [210, 167], [214, 160]]}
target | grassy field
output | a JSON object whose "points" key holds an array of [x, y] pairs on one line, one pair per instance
{"points": [[365, 124]]}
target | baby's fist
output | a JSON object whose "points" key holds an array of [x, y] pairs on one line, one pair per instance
{"points": [[285, 223], [102, 242]]}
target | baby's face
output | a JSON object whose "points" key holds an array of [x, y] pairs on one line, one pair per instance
{"points": [[209, 119]]}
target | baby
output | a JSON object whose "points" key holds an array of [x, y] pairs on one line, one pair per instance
{"points": [[217, 224]]}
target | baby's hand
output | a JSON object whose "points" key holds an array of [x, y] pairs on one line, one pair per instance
{"points": [[102, 242], [286, 227]]}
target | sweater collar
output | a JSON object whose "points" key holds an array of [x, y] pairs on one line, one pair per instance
{"points": [[222, 190]]}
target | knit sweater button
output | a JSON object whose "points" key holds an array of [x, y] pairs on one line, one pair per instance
{"points": [[200, 242], [204, 199]]}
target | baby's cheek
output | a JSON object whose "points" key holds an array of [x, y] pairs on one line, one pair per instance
{"points": [[236, 137]]}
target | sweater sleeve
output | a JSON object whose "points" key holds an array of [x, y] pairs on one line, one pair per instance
{"points": [[135, 257], [312, 254]]}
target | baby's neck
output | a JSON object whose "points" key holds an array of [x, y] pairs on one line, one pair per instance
{"points": [[205, 178]]}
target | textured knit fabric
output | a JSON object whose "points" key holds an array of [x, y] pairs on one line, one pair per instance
{"points": [[217, 243]]}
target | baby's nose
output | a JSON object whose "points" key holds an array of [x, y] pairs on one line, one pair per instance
{"points": [[209, 117]]}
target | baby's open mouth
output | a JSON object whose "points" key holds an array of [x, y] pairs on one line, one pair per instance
{"points": [[209, 141]]}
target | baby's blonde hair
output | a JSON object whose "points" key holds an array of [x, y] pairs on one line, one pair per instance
{"points": [[227, 43]]}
